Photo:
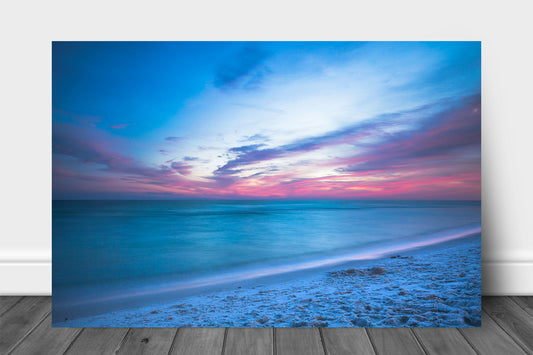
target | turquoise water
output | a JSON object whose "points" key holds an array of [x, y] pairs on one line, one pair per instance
{"points": [[111, 248]]}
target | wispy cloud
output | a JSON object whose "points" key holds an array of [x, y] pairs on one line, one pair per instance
{"points": [[246, 148], [173, 139], [80, 119], [181, 168], [250, 154], [257, 137], [242, 69], [438, 137], [92, 148], [442, 144], [120, 126]]}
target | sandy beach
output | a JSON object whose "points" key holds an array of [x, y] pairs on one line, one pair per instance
{"points": [[437, 285]]}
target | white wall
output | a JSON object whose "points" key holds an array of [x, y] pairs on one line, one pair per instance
{"points": [[27, 27]]}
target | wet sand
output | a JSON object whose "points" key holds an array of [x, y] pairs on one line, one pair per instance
{"points": [[438, 285]]}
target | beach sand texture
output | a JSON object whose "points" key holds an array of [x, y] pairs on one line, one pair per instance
{"points": [[438, 285]]}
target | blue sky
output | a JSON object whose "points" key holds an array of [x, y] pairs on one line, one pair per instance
{"points": [[266, 119]]}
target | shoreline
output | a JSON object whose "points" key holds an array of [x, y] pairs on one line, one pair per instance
{"points": [[416, 287], [103, 298]]}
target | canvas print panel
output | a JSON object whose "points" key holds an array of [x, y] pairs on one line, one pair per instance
{"points": [[261, 184]]}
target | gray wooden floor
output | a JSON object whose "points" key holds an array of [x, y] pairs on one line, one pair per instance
{"points": [[25, 328]]}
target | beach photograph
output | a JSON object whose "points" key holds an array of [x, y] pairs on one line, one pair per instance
{"points": [[266, 184]]}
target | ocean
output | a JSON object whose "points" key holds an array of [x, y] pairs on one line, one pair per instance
{"points": [[111, 254]]}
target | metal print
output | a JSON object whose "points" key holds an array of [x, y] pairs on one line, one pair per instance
{"points": [[266, 184]]}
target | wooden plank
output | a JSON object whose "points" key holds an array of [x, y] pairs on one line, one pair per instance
{"points": [[341, 341], [443, 341], [526, 302], [298, 341], [148, 341], [98, 341], [394, 341], [512, 318], [21, 319], [45, 340], [490, 339], [505, 321], [206, 341], [7, 302], [244, 341]]}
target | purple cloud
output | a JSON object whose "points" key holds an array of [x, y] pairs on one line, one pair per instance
{"points": [[173, 139], [120, 126], [181, 168], [438, 132], [450, 134], [89, 146], [246, 148], [84, 120]]}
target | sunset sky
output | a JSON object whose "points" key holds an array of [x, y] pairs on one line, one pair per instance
{"points": [[231, 120]]}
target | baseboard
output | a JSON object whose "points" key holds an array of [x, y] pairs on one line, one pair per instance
{"points": [[507, 278], [35, 278], [26, 278]]}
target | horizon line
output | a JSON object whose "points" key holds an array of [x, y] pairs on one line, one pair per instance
{"points": [[262, 199]]}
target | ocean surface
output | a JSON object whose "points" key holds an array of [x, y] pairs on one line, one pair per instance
{"points": [[114, 252]]}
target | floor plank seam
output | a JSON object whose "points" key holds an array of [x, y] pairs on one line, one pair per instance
{"points": [[13, 305], [173, 341], [517, 341], [369, 336], [324, 349], [274, 345], [521, 307], [224, 341], [28, 333], [502, 311], [123, 341], [468, 341], [419, 342], [73, 340]]}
